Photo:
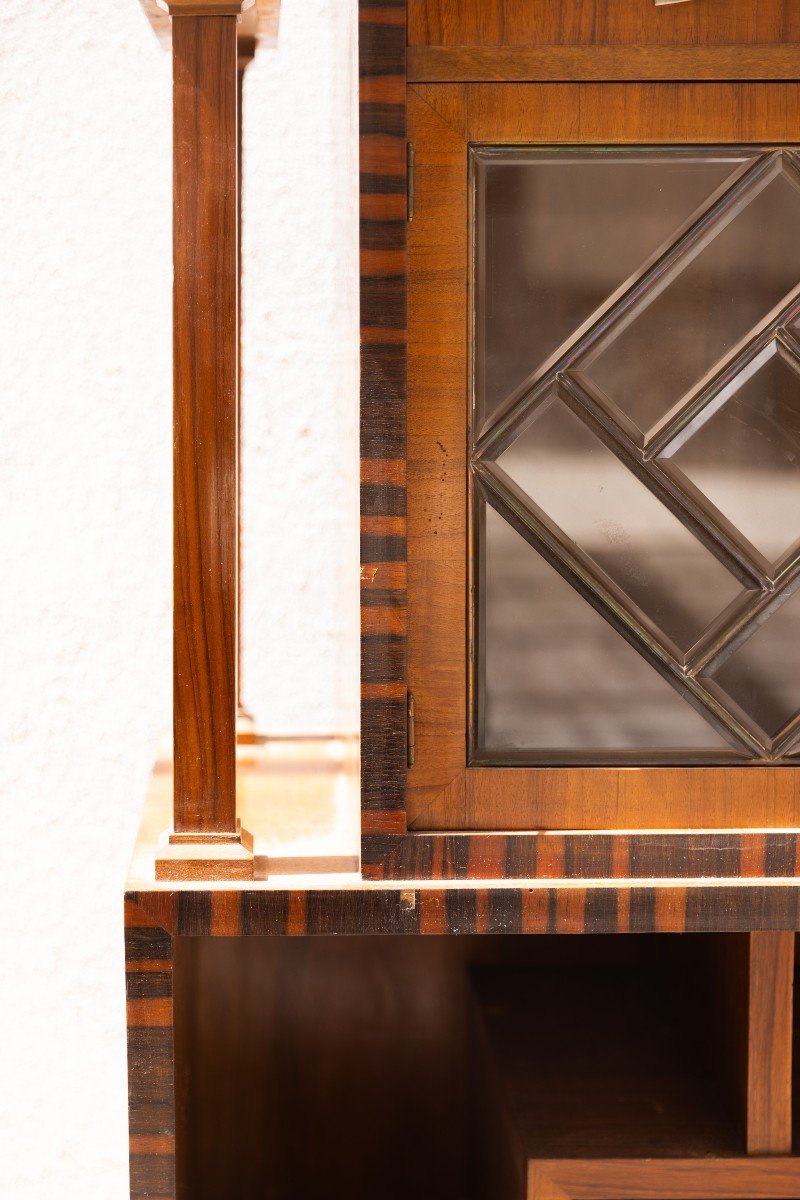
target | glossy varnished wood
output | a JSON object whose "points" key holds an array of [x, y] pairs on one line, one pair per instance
{"points": [[307, 882], [205, 422], [770, 1010], [443, 792], [382, 141], [151, 1057], [259, 22], [570, 63], [751, 977], [599, 22], [663, 1179], [538, 908]]}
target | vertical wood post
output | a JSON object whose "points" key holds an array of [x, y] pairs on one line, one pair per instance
{"points": [[246, 48], [205, 438], [769, 1084], [753, 1024]]}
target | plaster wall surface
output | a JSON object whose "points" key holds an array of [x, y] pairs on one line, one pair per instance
{"points": [[85, 543]]}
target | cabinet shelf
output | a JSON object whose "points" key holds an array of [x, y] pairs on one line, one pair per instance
{"points": [[615, 1083]]}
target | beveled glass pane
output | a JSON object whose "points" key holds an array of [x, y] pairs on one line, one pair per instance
{"points": [[638, 291], [743, 452], [763, 675], [721, 285], [556, 676], [558, 231], [667, 574]]}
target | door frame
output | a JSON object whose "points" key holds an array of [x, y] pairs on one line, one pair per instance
{"points": [[444, 792]]}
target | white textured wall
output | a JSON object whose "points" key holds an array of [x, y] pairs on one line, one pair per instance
{"points": [[84, 480]]}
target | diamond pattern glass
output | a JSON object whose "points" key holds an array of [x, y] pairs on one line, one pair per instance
{"points": [[763, 676], [721, 282], [667, 574], [559, 233], [558, 676], [636, 456], [743, 452]]}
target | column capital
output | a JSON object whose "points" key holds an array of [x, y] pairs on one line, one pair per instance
{"points": [[205, 8]]}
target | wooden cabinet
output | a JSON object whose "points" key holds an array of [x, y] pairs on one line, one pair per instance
{"points": [[580, 545], [557, 554]]}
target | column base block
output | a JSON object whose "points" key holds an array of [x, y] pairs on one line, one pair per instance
{"points": [[206, 856]]}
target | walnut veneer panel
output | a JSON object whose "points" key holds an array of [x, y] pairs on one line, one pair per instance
{"points": [[590, 22]]}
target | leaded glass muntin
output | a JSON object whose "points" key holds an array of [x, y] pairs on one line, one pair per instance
{"points": [[649, 455]]}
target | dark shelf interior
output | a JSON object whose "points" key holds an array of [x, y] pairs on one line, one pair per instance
{"points": [[606, 1063], [322, 1067]]}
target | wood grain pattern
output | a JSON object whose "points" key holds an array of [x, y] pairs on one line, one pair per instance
{"points": [[591, 22], [437, 446], [382, 46], [536, 908], [714, 854], [259, 23], [664, 1179], [296, 1034], [443, 793], [205, 422], [769, 1084], [151, 1058], [508, 64], [622, 798], [624, 114], [752, 1002]]}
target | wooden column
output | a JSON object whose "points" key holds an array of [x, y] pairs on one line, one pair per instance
{"points": [[246, 48], [207, 840]]}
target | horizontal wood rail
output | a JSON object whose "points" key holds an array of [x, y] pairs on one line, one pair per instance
{"points": [[543, 64]]}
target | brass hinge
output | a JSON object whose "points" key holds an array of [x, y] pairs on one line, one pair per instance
{"points": [[410, 728], [410, 180]]}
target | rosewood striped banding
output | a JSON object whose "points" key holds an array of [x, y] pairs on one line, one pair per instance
{"points": [[151, 1057], [382, 49], [538, 909]]}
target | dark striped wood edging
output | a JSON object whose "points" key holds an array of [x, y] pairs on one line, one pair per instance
{"points": [[382, 116], [458, 910], [151, 1059], [699, 854]]}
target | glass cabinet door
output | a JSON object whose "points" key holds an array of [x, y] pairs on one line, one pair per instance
{"points": [[603, 456]]}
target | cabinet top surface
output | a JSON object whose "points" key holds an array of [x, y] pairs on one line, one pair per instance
{"points": [[299, 799]]}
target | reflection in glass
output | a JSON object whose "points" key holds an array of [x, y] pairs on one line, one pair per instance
{"points": [[604, 509], [763, 675], [743, 267], [745, 457], [559, 231], [558, 678], [644, 280]]}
